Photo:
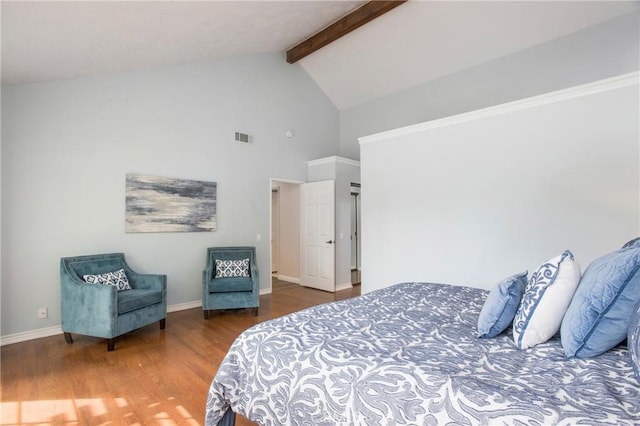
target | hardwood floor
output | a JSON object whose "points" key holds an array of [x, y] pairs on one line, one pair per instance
{"points": [[154, 377]]}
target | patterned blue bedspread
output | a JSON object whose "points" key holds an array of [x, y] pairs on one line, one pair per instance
{"points": [[408, 354]]}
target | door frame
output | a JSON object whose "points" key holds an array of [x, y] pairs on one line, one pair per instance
{"points": [[274, 181], [355, 220], [275, 226]]}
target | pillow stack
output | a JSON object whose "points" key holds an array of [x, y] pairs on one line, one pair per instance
{"points": [[593, 312], [535, 308]]}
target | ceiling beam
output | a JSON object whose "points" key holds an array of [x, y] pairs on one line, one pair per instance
{"points": [[365, 13]]}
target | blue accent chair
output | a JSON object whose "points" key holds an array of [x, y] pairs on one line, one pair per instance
{"points": [[102, 311], [230, 292]]}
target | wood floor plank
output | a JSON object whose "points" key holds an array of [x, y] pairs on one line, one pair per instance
{"points": [[154, 377]]}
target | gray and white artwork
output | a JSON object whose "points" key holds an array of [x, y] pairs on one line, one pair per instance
{"points": [[161, 204]]}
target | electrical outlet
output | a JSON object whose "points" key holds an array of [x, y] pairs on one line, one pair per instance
{"points": [[43, 313]]}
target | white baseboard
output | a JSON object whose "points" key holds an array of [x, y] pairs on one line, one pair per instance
{"points": [[184, 306], [344, 286], [289, 279], [57, 329], [30, 335]]}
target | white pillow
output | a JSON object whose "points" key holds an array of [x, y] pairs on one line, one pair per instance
{"points": [[546, 299]]}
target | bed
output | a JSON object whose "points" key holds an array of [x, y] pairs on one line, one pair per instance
{"points": [[409, 354]]}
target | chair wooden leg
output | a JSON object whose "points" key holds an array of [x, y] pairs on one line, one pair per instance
{"points": [[68, 338], [255, 312], [163, 323], [206, 314], [111, 344]]}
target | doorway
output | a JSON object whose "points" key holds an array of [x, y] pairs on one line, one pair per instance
{"points": [[285, 231], [285, 251]]}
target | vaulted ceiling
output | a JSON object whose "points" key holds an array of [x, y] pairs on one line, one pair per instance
{"points": [[413, 43]]}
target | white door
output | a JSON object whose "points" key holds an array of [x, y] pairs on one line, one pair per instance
{"points": [[317, 235]]}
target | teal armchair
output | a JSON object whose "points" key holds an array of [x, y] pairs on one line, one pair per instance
{"points": [[228, 282], [101, 310]]}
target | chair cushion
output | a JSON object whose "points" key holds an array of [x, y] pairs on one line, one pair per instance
{"points": [[229, 285], [135, 299]]}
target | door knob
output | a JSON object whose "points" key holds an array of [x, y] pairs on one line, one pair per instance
{"points": [[329, 242]]}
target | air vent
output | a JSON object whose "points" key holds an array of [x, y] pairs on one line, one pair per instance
{"points": [[242, 137]]}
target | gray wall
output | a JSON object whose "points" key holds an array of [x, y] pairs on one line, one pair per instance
{"points": [[605, 50], [67, 145]]}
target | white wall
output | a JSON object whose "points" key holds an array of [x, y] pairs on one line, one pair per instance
{"points": [[609, 49], [67, 145], [473, 198]]}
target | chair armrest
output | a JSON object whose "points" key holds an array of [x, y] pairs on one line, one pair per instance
{"points": [[80, 301], [207, 275], [254, 277]]}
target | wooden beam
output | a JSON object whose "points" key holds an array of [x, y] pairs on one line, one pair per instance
{"points": [[365, 13]]}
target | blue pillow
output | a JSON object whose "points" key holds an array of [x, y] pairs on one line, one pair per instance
{"points": [[633, 243], [600, 312], [501, 305], [633, 341]]}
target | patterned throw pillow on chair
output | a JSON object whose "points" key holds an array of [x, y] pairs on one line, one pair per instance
{"points": [[232, 268], [117, 279]]}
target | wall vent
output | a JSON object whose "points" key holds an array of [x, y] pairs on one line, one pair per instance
{"points": [[242, 137]]}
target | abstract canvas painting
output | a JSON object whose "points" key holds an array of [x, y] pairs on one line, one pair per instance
{"points": [[161, 204]]}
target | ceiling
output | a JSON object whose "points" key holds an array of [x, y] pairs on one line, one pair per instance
{"points": [[55, 40], [415, 42]]}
